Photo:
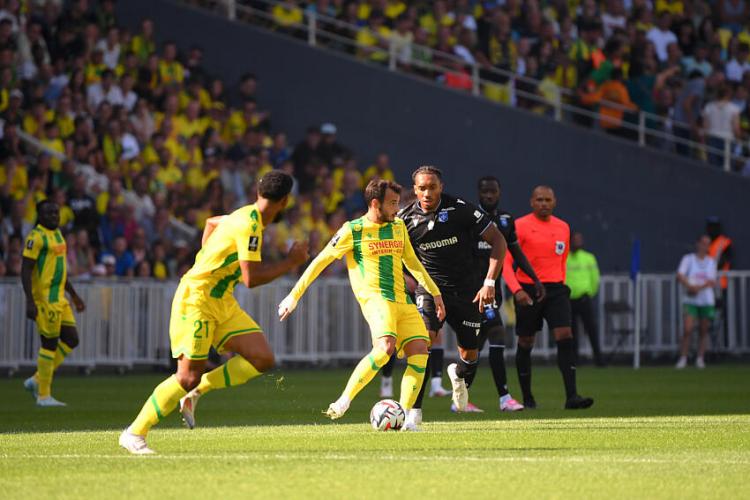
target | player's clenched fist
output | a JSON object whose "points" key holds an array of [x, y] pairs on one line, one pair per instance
{"points": [[299, 253], [286, 307]]}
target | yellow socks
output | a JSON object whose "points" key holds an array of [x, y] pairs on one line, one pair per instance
{"points": [[364, 372], [162, 402], [412, 379], [62, 352], [45, 367], [236, 371]]}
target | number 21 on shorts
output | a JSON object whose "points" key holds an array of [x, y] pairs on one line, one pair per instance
{"points": [[201, 329]]}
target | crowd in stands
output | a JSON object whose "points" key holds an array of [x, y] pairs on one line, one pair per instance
{"points": [[685, 61], [141, 144]]}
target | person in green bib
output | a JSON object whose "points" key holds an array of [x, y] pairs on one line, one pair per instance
{"points": [[582, 278]]}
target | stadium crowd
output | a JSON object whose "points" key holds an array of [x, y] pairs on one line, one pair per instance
{"points": [[685, 61], [143, 145]]}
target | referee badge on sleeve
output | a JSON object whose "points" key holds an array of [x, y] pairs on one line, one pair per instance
{"points": [[559, 247]]}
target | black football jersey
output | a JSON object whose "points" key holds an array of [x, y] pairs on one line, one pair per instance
{"points": [[445, 240], [507, 226]]}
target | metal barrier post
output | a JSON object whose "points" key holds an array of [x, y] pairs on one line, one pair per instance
{"points": [[637, 324], [311, 28], [475, 79], [558, 107], [232, 9], [391, 55], [727, 154], [641, 128]]}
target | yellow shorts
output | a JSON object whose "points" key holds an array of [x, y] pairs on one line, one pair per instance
{"points": [[401, 321], [198, 322], [51, 317]]}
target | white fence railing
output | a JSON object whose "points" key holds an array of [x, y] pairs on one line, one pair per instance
{"points": [[126, 324]]}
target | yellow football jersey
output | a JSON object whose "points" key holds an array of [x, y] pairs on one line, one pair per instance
{"points": [[47, 247], [239, 236], [375, 257]]}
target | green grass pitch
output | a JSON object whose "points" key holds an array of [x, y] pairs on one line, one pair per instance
{"points": [[655, 433]]}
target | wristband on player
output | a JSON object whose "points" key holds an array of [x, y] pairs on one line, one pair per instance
{"points": [[489, 282]]}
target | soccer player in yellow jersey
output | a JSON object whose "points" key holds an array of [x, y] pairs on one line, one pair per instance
{"points": [[377, 247], [205, 312], [44, 279]]}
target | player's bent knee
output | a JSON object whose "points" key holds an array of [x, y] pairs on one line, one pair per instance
{"points": [[70, 337], [562, 333], [468, 354], [189, 380], [386, 344], [263, 362], [49, 343], [526, 342], [416, 347]]}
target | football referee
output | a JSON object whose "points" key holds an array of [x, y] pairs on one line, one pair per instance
{"points": [[545, 240]]}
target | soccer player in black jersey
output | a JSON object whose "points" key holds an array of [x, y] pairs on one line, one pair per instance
{"points": [[444, 231], [492, 323]]}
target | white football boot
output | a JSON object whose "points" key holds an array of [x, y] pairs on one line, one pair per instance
{"points": [[48, 402], [338, 408], [413, 420], [134, 443], [436, 388], [187, 408], [460, 394], [31, 385]]}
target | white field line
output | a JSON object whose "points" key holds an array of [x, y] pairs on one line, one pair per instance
{"points": [[391, 457]]}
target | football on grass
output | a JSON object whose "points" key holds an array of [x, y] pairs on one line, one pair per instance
{"points": [[387, 415]]}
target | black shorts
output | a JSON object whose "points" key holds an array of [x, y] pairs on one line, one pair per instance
{"points": [[555, 309], [460, 313]]}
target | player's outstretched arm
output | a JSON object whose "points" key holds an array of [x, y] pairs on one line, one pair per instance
{"points": [[493, 236], [27, 267], [339, 245], [523, 263], [256, 273], [211, 224], [77, 300], [316, 267]]}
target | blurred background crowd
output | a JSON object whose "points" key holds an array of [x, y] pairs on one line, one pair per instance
{"points": [[143, 145], [683, 61]]}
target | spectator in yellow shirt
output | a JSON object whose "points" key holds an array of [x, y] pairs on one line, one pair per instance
{"points": [[143, 44], [14, 181], [168, 174], [247, 118], [330, 196], [114, 193], [198, 177], [65, 117], [66, 213], [170, 69], [191, 123], [53, 142], [372, 40], [287, 14], [33, 123], [381, 169], [95, 67]]}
